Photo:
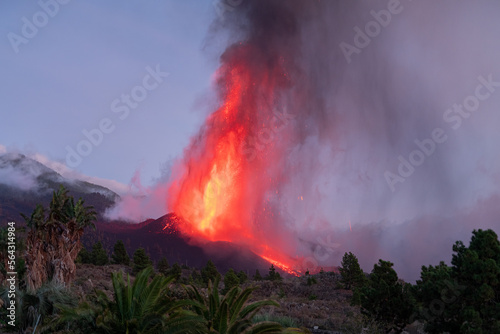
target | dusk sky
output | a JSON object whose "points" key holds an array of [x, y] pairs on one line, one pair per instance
{"points": [[65, 78], [395, 135]]}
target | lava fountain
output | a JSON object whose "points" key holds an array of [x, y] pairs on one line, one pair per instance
{"points": [[226, 187]]}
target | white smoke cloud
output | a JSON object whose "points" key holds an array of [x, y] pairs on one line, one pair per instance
{"points": [[25, 179], [140, 202], [68, 173], [18, 179]]}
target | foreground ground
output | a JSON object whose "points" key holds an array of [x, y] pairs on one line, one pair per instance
{"points": [[320, 307]]}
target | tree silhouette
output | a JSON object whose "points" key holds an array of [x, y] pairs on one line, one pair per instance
{"points": [[141, 260], [120, 255], [350, 272], [257, 276], [162, 266], [463, 298], [209, 272], [385, 299], [176, 270], [230, 280], [242, 276], [99, 255]]}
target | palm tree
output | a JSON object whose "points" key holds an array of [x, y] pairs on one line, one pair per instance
{"points": [[232, 313], [137, 308], [53, 241]]}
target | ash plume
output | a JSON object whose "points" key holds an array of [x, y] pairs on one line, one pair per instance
{"points": [[346, 117]]}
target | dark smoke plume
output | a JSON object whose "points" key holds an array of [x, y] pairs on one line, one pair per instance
{"points": [[354, 117]]}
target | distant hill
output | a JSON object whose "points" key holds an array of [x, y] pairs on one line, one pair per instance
{"points": [[25, 182]]}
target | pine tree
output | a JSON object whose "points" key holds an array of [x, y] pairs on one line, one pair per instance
{"points": [[175, 271], [141, 260], [162, 266], [99, 255], [273, 274], [230, 280], [84, 256], [196, 277], [350, 272], [242, 276], [386, 299], [467, 293], [209, 272], [257, 276], [120, 255]]}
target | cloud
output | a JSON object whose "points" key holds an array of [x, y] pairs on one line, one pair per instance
{"points": [[18, 179], [26, 179], [66, 172]]}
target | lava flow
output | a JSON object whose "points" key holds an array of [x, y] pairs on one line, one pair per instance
{"points": [[223, 185]]}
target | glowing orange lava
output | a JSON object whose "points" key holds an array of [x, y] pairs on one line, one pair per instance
{"points": [[218, 190], [282, 266]]}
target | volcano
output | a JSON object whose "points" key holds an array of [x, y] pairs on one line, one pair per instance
{"points": [[162, 238]]}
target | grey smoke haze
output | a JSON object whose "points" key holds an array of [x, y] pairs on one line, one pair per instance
{"points": [[354, 119], [140, 202]]}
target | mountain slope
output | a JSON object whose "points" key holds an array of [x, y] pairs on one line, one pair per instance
{"points": [[161, 237], [25, 182]]}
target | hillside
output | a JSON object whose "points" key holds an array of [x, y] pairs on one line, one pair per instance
{"points": [[25, 182], [161, 237]]}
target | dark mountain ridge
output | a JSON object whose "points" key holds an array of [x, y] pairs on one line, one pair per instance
{"points": [[25, 182]]}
